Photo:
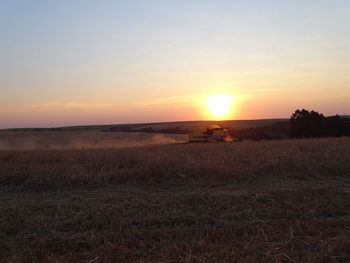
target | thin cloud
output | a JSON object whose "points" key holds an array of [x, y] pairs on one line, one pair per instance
{"points": [[55, 105], [266, 90]]}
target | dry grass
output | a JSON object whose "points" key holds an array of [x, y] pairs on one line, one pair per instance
{"points": [[277, 201]]}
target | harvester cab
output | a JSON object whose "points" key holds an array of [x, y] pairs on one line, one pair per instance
{"points": [[213, 133]]}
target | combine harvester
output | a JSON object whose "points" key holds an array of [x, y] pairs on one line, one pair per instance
{"points": [[214, 133]]}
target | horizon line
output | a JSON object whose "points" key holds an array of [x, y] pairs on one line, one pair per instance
{"points": [[155, 122]]}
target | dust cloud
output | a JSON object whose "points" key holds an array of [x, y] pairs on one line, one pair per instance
{"points": [[82, 140]]}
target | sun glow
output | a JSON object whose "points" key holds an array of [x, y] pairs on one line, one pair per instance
{"points": [[219, 105]]}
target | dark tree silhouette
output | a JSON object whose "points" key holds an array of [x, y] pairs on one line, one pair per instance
{"points": [[304, 123]]}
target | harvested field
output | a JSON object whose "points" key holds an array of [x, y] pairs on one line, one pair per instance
{"points": [[86, 139], [268, 201]]}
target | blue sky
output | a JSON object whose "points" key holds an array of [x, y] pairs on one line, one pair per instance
{"points": [[86, 62]]}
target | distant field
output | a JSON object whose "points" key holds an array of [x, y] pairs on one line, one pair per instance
{"points": [[184, 125], [268, 201], [92, 137], [87, 139], [202, 125]]}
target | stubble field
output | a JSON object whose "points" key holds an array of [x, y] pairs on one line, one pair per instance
{"points": [[268, 201]]}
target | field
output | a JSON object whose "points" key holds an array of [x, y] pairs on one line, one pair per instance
{"points": [[107, 197], [82, 139], [194, 126]]}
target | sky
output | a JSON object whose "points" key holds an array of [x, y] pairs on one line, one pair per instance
{"points": [[77, 62]]}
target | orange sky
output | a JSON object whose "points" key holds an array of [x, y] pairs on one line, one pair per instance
{"points": [[86, 62]]}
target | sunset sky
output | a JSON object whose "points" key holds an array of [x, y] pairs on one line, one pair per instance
{"points": [[101, 62]]}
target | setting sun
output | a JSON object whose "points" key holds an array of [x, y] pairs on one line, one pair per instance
{"points": [[219, 105]]}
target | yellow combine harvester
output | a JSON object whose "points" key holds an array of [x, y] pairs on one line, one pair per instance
{"points": [[214, 133]]}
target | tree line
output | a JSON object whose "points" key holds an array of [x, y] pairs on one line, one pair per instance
{"points": [[304, 123]]}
